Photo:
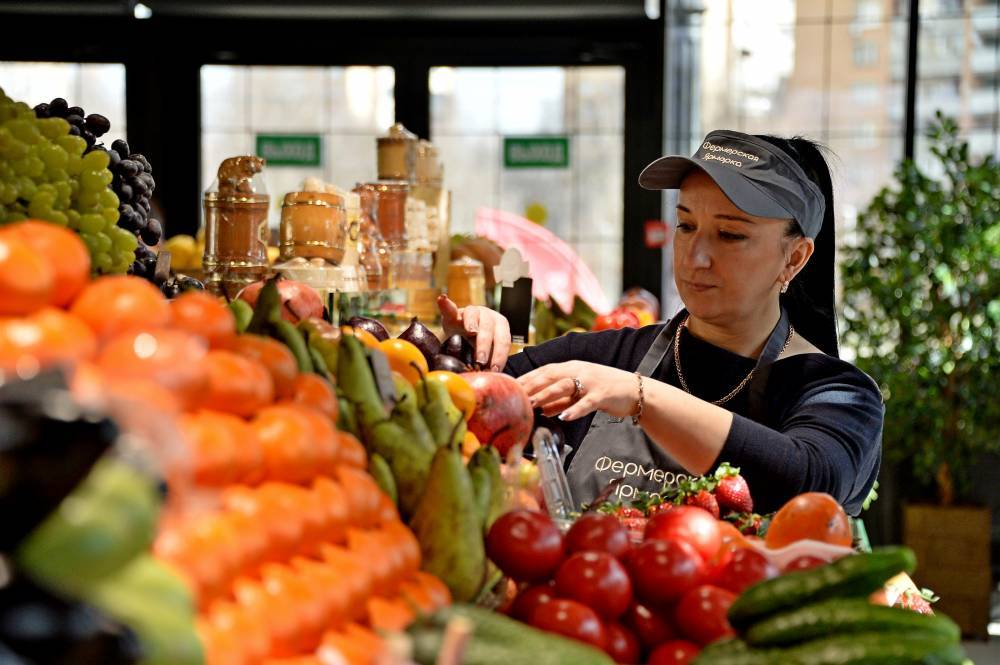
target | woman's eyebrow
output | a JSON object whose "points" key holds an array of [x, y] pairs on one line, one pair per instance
{"points": [[735, 218]]}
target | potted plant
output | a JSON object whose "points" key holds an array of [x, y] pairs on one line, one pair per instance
{"points": [[922, 312]]}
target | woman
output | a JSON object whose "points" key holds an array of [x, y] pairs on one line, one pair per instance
{"points": [[748, 372]]}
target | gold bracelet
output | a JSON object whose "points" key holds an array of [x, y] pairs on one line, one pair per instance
{"points": [[639, 403]]}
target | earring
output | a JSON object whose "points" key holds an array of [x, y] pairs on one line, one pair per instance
{"points": [[784, 287]]}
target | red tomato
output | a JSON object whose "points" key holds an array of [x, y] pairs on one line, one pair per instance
{"points": [[650, 626], [804, 562], [745, 568], [597, 580], [688, 524], [526, 545], [571, 619], [718, 563], [623, 646], [529, 599], [598, 532], [616, 319], [701, 614], [675, 652], [662, 570]]}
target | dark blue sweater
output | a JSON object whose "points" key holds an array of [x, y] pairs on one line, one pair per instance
{"points": [[821, 429]]}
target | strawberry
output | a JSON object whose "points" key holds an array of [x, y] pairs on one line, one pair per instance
{"points": [[918, 601], [704, 499], [731, 490], [748, 523], [626, 512]]}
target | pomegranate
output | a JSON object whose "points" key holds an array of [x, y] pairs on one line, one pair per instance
{"points": [[298, 301], [503, 416]]}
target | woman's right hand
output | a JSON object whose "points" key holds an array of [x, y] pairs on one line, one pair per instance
{"points": [[486, 328]]}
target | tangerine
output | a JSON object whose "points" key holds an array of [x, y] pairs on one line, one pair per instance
{"points": [[363, 335], [315, 391], [405, 358], [170, 358], [48, 337], [120, 303], [237, 384], [286, 433], [65, 252], [275, 356], [224, 449], [810, 516], [203, 314], [27, 280], [461, 393]]}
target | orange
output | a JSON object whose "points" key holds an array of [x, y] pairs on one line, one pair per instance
{"points": [[171, 358], [389, 615], [362, 496], [462, 394], [203, 314], [315, 391], [366, 337], [352, 452], [150, 394], [66, 254], [387, 511], [228, 617], [47, 337], [119, 303], [276, 357], [437, 589], [325, 452], [357, 573], [405, 542], [287, 434], [470, 444], [27, 280], [332, 498], [352, 645], [237, 384], [813, 516], [223, 448], [405, 358]]}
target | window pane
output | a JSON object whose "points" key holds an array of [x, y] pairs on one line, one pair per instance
{"points": [[348, 107], [475, 108], [95, 87]]}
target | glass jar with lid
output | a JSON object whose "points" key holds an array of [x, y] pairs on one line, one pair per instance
{"points": [[313, 225], [236, 225]]}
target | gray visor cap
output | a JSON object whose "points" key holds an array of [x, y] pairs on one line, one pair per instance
{"points": [[759, 178]]}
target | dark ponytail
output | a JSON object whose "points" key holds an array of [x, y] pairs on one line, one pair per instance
{"points": [[810, 297]]}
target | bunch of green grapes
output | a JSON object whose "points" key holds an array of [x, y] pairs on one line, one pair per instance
{"points": [[45, 175]]}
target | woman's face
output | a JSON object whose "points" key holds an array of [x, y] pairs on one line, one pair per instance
{"points": [[729, 265]]}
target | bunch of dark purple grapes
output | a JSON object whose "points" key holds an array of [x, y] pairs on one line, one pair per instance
{"points": [[133, 179]]}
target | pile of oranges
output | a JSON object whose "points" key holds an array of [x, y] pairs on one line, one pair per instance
{"points": [[298, 552]]}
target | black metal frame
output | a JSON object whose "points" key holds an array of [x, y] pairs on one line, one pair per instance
{"points": [[163, 56]]}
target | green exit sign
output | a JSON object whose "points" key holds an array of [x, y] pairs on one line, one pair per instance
{"points": [[536, 152], [290, 149]]}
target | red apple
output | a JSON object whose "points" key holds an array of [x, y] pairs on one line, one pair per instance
{"points": [[298, 301], [503, 416]]}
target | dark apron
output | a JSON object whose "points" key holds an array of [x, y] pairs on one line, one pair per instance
{"points": [[615, 448]]}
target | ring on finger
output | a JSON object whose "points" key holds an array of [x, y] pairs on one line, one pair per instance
{"points": [[577, 389]]}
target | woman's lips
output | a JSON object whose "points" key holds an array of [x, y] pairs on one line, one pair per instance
{"points": [[698, 286]]}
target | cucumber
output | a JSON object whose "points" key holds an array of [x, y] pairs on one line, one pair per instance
{"points": [[878, 648], [857, 575], [499, 640], [846, 615]]}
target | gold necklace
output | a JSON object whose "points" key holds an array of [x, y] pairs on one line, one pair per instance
{"points": [[742, 384]]}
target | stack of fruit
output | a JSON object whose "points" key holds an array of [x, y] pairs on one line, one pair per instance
{"points": [[416, 424], [298, 547], [666, 596]]}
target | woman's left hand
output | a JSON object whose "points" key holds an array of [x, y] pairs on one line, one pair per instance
{"points": [[552, 388]]}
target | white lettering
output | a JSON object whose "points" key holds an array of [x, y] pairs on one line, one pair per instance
{"points": [[729, 151], [626, 494], [634, 467], [647, 474], [617, 466], [658, 476], [603, 464]]}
